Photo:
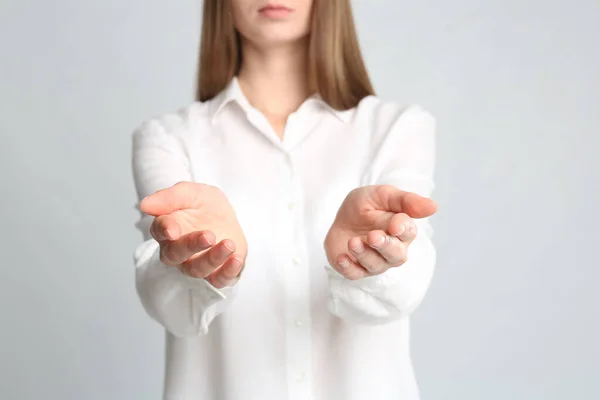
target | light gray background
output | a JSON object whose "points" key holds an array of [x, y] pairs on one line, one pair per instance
{"points": [[513, 310]]}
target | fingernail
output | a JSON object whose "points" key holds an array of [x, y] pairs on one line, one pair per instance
{"points": [[236, 262], [228, 246], [380, 241], [163, 251], [145, 199], [360, 248], [344, 263], [169, 234], [201, 241], [401, 231]]}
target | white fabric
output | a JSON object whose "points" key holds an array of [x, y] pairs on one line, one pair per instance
{"points": [[292, 328]]}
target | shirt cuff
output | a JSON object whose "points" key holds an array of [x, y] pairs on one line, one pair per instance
{"points": [[390, 295], [183, 304]]}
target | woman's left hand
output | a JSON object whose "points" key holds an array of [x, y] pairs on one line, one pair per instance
{"points": [[373, 229]]}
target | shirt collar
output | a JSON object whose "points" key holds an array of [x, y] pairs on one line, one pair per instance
{"points": [[233, 92]]}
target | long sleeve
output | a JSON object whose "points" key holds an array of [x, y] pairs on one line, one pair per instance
{"points": [[403, 156], [185, 306]]}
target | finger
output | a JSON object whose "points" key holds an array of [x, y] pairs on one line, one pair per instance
{"points": [[180, 196], [399, 201], [367, 257], [228, 273], [165, 227], [349, 269], [403, 227], [419, 207], [205, 263], [177, 251], [389, 247]]}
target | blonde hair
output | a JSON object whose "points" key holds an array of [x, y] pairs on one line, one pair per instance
{"points": [[336, 67]]}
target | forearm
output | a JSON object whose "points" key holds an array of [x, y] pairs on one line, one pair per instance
{"points": [[183, 305], [390, 296]]}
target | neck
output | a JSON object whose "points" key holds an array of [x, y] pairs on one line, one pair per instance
{"points": [[275, 80]]}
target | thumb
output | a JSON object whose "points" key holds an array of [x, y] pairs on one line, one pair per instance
{"points": [[412, 204], [182, 195]]}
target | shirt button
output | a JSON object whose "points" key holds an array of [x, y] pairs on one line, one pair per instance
{"points": [[298, 322], [300, 377], [296, 261], [291, 205]]}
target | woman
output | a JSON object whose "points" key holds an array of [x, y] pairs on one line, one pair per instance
{"points": [[290, 169]]}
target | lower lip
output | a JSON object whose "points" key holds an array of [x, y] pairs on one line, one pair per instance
{"points": [[276, 13]]}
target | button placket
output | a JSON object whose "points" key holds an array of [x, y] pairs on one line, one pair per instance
{"points": [[296, 290], [300, 376]]}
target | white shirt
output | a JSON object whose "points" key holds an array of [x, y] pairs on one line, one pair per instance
{"points": [[292, 328]]}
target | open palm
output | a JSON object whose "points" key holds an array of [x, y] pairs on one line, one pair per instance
{"points": [[373, 228], [198, 231]]}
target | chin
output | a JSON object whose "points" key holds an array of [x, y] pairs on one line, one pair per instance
{"points": [[280, 40], [279, 34]]}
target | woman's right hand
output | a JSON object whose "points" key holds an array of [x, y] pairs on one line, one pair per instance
{"points": [[198, 232]]}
